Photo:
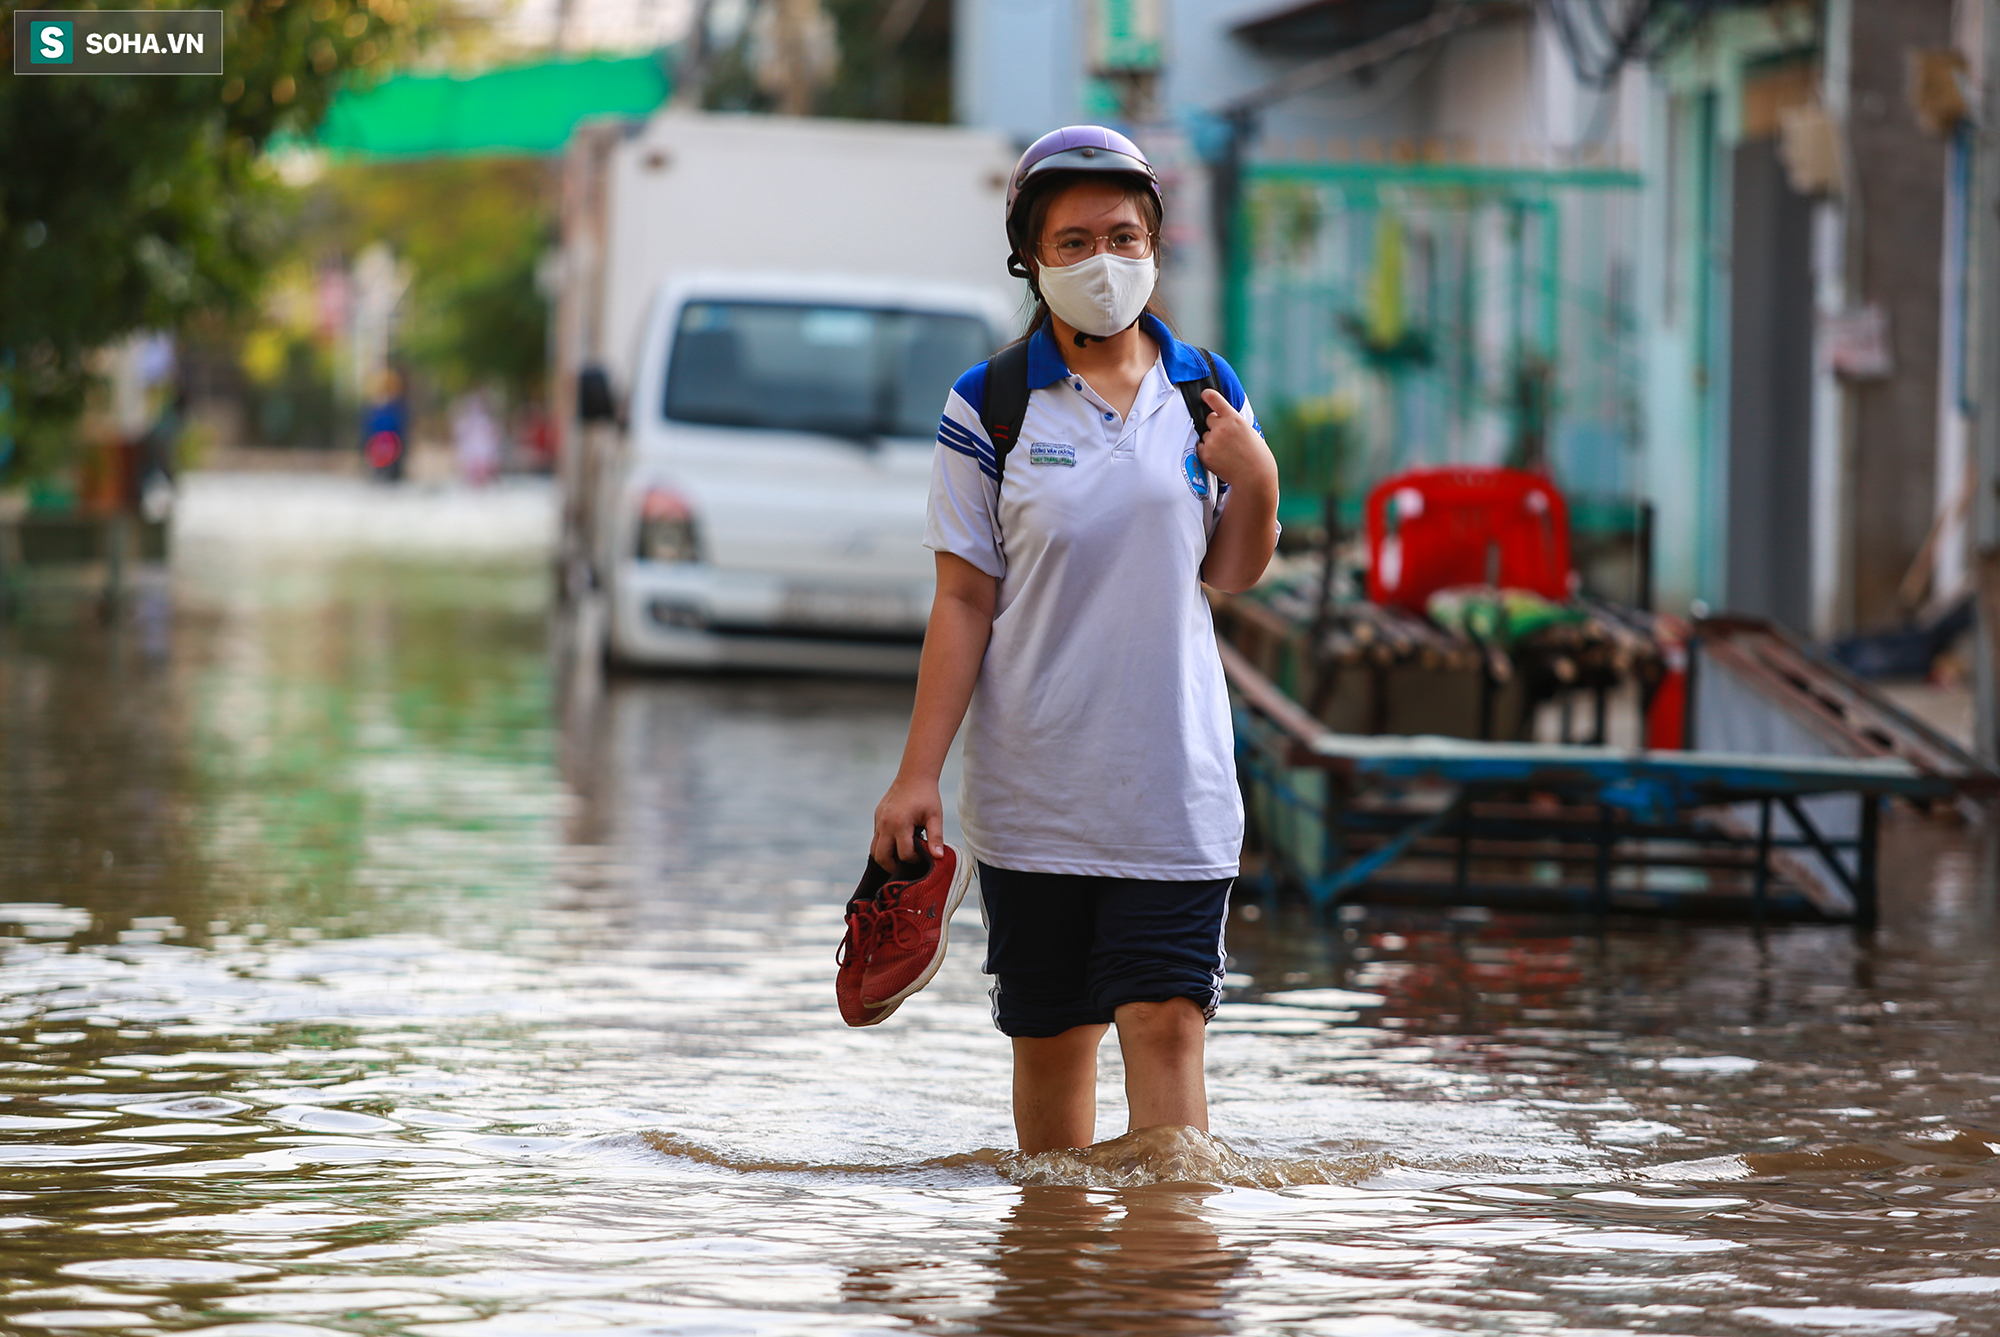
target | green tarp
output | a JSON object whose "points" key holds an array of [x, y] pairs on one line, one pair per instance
{"points": [[526, 109]]}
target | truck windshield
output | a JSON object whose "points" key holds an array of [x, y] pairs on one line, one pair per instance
{"points": [[846, 370]]}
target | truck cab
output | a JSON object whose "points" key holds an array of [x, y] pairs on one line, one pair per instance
{"points": [[768, 507], [758, 319]]}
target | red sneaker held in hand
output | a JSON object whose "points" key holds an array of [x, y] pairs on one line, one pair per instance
{"points": [[897, 925]]}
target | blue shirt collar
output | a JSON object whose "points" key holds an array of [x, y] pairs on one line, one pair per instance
{"points": [[1046, 366], [1045, 360]]}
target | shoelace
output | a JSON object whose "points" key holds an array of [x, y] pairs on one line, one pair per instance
{"points": [[868, 925]]}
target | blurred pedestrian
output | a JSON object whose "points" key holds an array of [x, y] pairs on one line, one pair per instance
{"points": [[538, 439], [385, 428], [155, 472], [475, 437], [1074, 519]]}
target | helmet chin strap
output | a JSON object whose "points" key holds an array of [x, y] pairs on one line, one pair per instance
{"points": [[1080, 338], [1021, 271]]}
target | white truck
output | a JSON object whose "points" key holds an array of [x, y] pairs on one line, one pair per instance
{"points": [[758, 318]]}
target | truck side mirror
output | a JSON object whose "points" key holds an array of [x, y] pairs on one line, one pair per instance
{"points": [[593, 396]]}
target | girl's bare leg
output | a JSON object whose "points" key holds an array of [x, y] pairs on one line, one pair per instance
{"points": [[1055, 1088], [1162, 1044]]}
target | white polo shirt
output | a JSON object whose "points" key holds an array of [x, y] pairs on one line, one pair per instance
{"points": [[1098, 740]]}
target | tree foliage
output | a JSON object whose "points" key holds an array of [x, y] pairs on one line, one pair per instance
{"points": [[473, 231], [131, 202], [894, 62]]}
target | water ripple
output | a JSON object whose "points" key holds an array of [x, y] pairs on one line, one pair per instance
{"points": [[396, 1008]]}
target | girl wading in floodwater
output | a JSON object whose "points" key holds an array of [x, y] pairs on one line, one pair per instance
{"points": [[1071, 638]]}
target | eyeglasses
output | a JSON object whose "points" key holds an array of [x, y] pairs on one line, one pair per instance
{"points": [[1071, 247]]}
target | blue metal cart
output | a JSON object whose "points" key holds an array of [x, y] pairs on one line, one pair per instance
{"points": [[1535, 826]]}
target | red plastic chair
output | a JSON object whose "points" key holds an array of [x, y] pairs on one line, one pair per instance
{"points": [[1429, 529]]}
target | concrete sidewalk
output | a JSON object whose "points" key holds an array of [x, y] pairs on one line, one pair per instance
{"points": [[513, 518]]}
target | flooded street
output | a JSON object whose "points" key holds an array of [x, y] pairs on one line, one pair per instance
{"points": [[346, 988]]}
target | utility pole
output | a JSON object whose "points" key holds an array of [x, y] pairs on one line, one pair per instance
{"points": [[1984, 279], [691, 75]]}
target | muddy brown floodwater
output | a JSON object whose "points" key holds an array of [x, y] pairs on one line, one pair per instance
{"points": [[344, 990]]}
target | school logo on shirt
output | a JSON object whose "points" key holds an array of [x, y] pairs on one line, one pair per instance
{"points": [[1196, 473], [1051, 452]]}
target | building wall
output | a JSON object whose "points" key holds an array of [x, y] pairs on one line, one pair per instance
{"points": [[1020, 68], [1205, 67], [1017, 65], [1901, 180], [1871, 491], [1483, 88], [1695, 124]]}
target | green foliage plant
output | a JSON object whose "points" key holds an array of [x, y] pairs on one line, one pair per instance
{"points": [[474, 232], [131, 202], [1313, 440]]}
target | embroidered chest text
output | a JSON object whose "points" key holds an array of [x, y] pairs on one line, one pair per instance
{"points": [[1052, 453]]}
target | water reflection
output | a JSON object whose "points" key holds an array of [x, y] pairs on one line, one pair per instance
{"points": [[341, 990], [1142, 1260]]}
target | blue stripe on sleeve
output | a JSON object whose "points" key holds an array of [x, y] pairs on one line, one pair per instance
{"points": [[984, 467], [959, 438], [952, 436]]}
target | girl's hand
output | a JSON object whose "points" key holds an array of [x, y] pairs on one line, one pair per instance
{"points": [[1233, 450], [909, 805], [1239, 551]]}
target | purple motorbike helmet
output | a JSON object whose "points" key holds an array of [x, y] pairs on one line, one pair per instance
{"points": [[1074, 148]]}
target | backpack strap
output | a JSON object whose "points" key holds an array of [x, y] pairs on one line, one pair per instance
{"points": [[1197, 409], [1006, 399], [1006, 403]]}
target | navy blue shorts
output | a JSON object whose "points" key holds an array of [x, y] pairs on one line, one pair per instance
{"points": [[1068, 951]]}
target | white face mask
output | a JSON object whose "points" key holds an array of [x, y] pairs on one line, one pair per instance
{"points": [[1101, 295]]}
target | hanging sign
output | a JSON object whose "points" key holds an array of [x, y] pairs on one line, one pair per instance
{"points": [[1125, 35]]}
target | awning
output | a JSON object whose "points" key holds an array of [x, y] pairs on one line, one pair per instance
{"points": [[525, 109], [1316, 27]]}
